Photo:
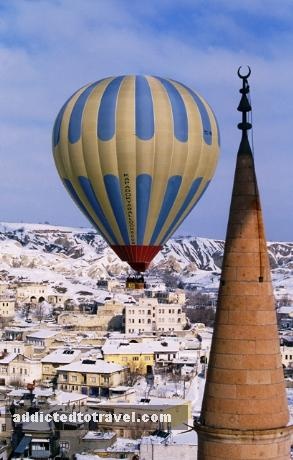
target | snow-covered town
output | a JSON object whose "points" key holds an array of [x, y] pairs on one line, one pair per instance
{"points": [[146, 251], [80, 334]]}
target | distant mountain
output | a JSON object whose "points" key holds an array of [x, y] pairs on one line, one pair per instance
{"points": [[73, 256]]}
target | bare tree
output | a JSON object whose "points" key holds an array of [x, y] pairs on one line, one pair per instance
{"points": [[39, 311], [201, 314]]}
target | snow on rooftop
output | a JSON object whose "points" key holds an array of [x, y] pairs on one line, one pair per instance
{"points": [[286, 309], [33, 426], [18, 392], [154, 402], [7, 358], [122, 388], [99, 435], [175, 437], [97, 367], [123, 347], [63, 397], [62, 356], [42, 334], [38, 392], [43, 392], [84, 456], [124, 445]]}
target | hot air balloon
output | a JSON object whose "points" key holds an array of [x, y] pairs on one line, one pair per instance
{"points": [[136, 153]]}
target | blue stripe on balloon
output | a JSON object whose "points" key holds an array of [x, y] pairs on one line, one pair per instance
{"points": [[190, 195], [170, 195], [69, 187], [112, 185], [143, 193], [107, 110], [178, 110], [75, 122], [218, 129], [92, 199], [205, 119], [57, 124], [144, 112], [203, 190]]}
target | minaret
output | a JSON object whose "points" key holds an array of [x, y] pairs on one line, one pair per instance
{"points": [[244, 412]]}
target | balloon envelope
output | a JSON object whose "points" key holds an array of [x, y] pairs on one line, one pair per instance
{"points": [[136, 153]]}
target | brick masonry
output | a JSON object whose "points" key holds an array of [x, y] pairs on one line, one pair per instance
{"points": [[245, 387]]}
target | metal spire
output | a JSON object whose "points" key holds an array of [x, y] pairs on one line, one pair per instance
{"points": [[244, 107]]}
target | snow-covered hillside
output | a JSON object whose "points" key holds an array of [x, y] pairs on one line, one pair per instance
{"points": [[59, 255]]}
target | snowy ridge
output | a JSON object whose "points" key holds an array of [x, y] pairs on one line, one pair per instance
{"points": [[46, 252]]}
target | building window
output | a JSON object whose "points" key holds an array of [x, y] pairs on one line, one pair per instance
{"points": [[3, 427], [40, 446], [135, 358], [74, 378], [64, 445]]}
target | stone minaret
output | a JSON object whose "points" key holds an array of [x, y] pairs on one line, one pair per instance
{"points": [[244, 412]]}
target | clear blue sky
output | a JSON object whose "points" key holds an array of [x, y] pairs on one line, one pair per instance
{"points": [[49, 48]]}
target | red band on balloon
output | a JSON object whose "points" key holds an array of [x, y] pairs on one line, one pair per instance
{"points": [[138, 257]]}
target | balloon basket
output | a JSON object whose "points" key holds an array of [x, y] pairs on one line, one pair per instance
{"points": [[135, 281]]}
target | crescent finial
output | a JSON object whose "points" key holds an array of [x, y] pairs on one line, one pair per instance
{"points": [[244, 76]]}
